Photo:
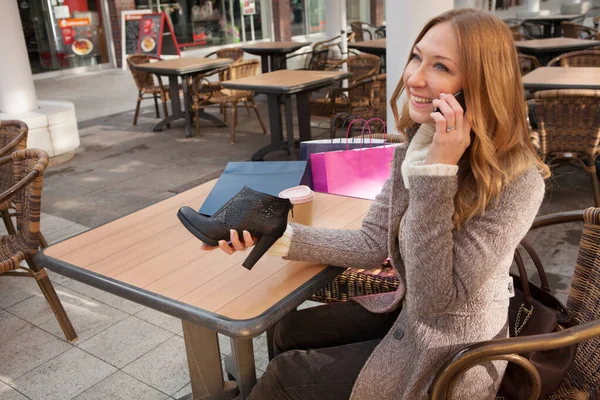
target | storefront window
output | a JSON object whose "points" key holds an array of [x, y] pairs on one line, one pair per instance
{"points": [[315, 16], [213, 22], [63, 34], [298, 17]]}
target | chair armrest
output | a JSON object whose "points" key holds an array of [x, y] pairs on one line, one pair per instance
{"points": [[298, 54], [37, 170], [214, 53], [13, 143], [508, 350], [202, 77], [360, 82], [557, 218]]}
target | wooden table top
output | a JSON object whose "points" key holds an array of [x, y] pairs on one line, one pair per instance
{"points": [[553, 17], [185, 65], [551, 44], [374, 44], [150, 249], [563, 78], [274, 47], [286, 81]]}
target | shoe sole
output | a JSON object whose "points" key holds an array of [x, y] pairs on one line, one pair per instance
{"points": [[205, 239]]}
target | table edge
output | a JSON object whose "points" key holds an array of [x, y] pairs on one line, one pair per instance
{"points": [[559, 86], [181, 71], [572, 47], [286, 90], [233, 328], [266, 51]]}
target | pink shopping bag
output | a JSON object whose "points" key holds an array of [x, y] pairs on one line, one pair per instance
{"points": [[355, 173]]}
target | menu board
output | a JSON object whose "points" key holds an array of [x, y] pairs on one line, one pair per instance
{"points": [[79, 37], [130, 32], [154, 37]]}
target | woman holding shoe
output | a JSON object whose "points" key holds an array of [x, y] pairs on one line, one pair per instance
{"points": [[463, 192]]}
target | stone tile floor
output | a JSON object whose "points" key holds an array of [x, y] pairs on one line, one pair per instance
{"points": [[127, 351]]}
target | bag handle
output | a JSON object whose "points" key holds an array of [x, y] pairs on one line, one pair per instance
{"points": [[526, 309], [335, 118], [368, 123], [538, 264], [350, 127]]}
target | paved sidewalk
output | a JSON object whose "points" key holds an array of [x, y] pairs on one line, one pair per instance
{"points": [[127, 351]]}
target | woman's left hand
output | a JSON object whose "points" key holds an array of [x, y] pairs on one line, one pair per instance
{"points": [[452, 132]]}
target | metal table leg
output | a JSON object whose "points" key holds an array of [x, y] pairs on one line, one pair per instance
{"points": [[303, 116], [274, 126], [243, 361], [188, 106], [289, 123], [264, 63], [176, 112], [204, 362]]}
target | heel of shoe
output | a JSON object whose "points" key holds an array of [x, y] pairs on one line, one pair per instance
{"points": [[261, 247]]}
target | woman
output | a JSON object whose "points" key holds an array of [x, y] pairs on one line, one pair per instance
{"points": [[460, 198]]}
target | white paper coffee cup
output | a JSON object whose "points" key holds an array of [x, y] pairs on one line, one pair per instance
{"points": [[302, 198]]}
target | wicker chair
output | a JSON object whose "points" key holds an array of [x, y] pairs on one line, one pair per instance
{"points": [[28, 167], [13, 137], [577, 31], [528, 63], [569, 128], [582, 380], [580, 58], [534, 30], [224, 97], [147, 86], [322, 54], [235, 53], [361, 32], [361, 67]]}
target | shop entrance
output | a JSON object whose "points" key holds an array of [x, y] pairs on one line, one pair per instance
{"points": [[63, 34]]}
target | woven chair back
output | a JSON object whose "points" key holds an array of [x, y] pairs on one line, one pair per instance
{"points": [[379, 98], [568, 122], [13, 137], [243, 69], [581, 58], [584, 305], [235, 53], [360, 33], [14, 248], [528, 63], [361, 67], [573, 30], [143, 80]]}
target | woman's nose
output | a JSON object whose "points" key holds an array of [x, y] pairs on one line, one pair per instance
{"points": [[417, 78]]}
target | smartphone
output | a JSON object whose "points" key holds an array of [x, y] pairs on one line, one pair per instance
{"points": [[460, 97]]}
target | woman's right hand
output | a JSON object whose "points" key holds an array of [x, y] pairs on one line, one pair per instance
{"points": [[235, 243]]}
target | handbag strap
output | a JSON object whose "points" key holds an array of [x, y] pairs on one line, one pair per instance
{"points": [[524, 280], [368, 123], [538, 264]]}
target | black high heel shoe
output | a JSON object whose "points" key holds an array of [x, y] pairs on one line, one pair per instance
{"points": [[258, 213]]}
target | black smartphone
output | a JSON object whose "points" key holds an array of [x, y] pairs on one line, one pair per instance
{"points": [[460, 97]]}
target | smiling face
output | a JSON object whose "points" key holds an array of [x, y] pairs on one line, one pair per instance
{"points": [[434, 68]]}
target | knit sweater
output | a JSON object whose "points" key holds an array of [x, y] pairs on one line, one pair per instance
{"points": [[453, 283]]}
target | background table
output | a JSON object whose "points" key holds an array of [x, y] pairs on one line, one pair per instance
{"points": [[184, 68], [376, 47], [545, 78], [273, 53], [546, 49], [554, 21], [150, 258], [286, 83]]}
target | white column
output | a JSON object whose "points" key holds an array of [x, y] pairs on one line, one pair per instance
{"points": [[532, 5], [17, 93], [408, 19]]}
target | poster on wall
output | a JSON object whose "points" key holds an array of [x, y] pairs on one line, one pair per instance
{"points": [[130, 27], [248, 7], [79, 37], [156, 36]]}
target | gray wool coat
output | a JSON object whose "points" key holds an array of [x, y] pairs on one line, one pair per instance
{"points": [[453, 283]]}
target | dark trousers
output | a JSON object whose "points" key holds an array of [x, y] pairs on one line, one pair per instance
{"points": [[320, 352]]}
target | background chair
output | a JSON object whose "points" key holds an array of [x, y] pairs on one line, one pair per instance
{"points": [[582, 380], [373, 89], [13, 137], [577, 31], [147, 85], [234, 53], [580, 58], [528, 63], [27, 167], [362, 67], [217, 95], [321, 55], [362, 30], [569, 129]]}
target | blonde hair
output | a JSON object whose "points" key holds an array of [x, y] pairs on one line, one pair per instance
{"points": [[500, 148]]}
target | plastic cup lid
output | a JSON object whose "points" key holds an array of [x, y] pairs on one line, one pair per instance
{"points": [[298, 194]]}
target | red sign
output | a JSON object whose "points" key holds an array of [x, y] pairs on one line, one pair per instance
{"points": [[68, 22]]}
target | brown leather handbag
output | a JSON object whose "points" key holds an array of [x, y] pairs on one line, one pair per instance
{"points": [[534, 310]]}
